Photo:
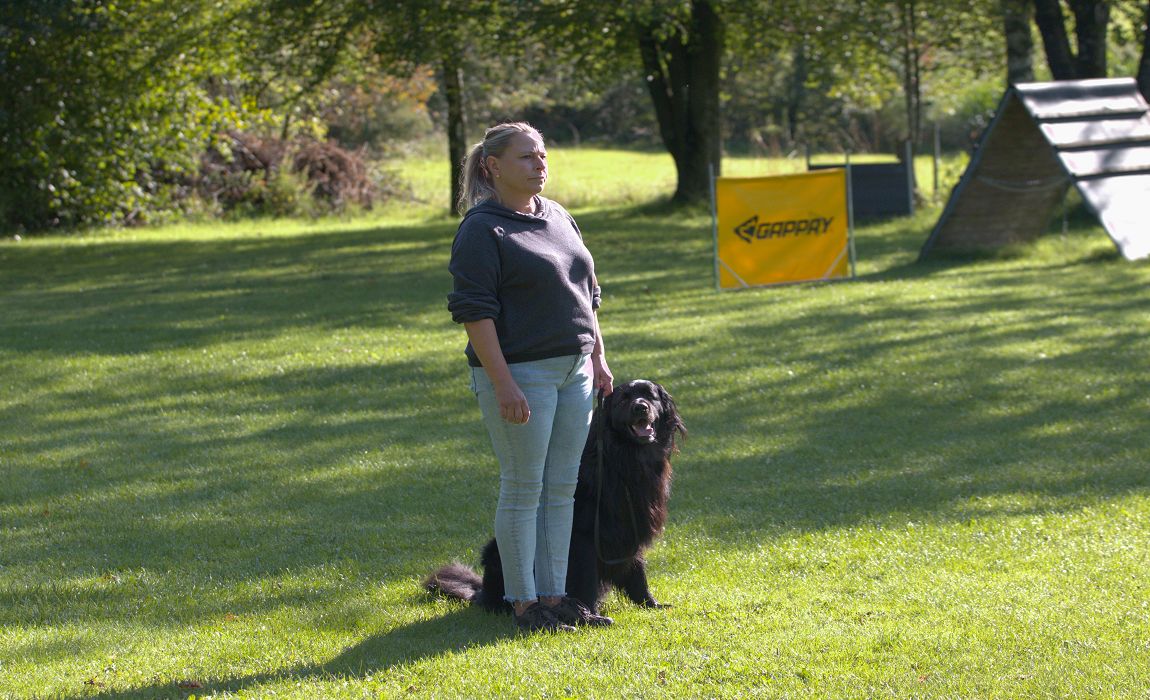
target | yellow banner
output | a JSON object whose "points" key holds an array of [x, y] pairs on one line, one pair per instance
{"points": [[783, 228]]}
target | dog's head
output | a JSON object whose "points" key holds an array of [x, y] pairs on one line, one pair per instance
{"points": [[643, 413]]}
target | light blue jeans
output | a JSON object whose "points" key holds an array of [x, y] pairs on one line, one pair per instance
{"points": [[538, 468]]}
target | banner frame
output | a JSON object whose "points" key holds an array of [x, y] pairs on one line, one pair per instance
{"points": [[850, 217], [714, 223]]}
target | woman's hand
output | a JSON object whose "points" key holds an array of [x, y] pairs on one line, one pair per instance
{"points": [[513, 406], [601, 373], [512, 403]]}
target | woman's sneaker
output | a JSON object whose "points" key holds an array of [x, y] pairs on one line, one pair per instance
{"points": [[572, 612], [539, 618]]}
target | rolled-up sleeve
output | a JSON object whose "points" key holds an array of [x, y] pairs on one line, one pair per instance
{"points": [[475, 268]]}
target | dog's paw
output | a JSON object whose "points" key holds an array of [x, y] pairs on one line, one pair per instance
{"points": [[655, 605]]}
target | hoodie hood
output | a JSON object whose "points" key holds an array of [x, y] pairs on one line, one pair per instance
{"points": [[492, 208]]}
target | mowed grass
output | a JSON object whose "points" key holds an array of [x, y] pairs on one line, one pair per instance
{"points": [[593, 178], [229, 454]]}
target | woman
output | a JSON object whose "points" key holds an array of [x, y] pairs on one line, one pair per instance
{"points": [[525, 291]]}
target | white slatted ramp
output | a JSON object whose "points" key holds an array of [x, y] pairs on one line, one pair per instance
{"points": [[1045, 137]]}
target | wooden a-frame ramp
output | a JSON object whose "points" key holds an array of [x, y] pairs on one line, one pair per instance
{"points": [[1045, 137]]}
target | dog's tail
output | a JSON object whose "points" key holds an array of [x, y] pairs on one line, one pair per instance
{"points": [[456, 581]]}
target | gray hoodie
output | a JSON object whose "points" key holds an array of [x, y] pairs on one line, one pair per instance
{"points": [[531, 274]]}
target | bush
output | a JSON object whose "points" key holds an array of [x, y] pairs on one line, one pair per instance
{"points": [[252, 175], [336, 176]]}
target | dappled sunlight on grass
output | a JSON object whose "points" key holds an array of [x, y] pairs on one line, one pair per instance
{"points": [[231, 453]]}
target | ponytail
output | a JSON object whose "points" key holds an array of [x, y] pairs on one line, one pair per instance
{"points": [[475, 184]]}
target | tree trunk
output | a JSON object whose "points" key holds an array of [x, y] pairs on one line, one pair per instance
{"points": [[1052, 27], [456, 120], [683, 79], [705, 58], [796, 92], [1019, 45], [1144, 64], [1091, 18], [663, 61], [911, 77]]}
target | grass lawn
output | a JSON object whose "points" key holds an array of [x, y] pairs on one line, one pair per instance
{"points": [[229, 453]]}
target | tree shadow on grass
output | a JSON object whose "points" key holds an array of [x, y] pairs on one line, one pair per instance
{"points": [[136, 297], [985, 397], [354, 453], [341, 471], [456, 631]]}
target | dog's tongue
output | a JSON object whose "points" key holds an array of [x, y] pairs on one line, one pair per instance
{"points": [[643, 430]]}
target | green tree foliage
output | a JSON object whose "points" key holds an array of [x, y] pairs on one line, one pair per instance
{"points": [[857, 76], [101, 103], [679, 46], [1128, 42], [107, 106], [404, 35], [871, 50], [367, 107]]}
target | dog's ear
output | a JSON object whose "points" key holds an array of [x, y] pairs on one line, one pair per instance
{"points": [[670, 420]]}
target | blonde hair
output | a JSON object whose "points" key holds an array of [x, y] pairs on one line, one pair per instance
{"points": [[475, 181]]}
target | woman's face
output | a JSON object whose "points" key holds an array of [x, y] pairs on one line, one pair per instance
{"points": [[521, 172]]}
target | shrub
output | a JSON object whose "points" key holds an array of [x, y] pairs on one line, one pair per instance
{"points": [[252, 175], [335, 175]]}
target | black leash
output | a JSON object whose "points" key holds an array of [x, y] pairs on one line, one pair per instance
{"points": [[599, 491]]}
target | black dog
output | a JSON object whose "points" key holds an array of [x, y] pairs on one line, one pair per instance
{"points": [[620, 505]]}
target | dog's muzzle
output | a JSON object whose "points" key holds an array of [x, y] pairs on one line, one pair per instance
{"points": [[641, 421]]}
